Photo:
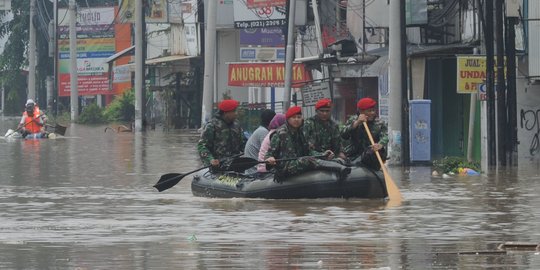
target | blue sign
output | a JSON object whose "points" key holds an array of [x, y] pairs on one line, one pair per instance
{"points": [[280, 54], [248, 54], [266, 37]]}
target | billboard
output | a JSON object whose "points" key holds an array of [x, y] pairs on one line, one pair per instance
{"points": [[471, 73], [95, 43], [266, 16], [269, 37], [266, 74]]}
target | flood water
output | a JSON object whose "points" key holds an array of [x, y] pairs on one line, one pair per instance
{"points": [[86, 201]]}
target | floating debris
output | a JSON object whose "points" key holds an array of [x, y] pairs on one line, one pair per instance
{"points": [[192, 238], [519, 246]]}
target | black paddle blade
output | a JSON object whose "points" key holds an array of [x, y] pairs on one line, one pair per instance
{"points": [[241, 164], [167, 181], [60, 130]]}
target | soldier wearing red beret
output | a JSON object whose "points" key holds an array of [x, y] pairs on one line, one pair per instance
{"points": [[223, 136], [322, 132], [289, 142], [357, 146], [228, 105]]}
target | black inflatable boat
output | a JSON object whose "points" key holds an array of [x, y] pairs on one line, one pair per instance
{"points": [[360, 183]]}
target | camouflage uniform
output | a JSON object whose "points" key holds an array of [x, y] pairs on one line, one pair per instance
{"points": [[288, 143], [322, 135], [220, 140], [356, 141]]}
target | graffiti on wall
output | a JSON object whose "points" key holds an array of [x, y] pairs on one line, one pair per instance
{"points": [[529, 121]]}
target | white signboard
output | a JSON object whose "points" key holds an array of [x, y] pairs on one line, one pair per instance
{"points": [[88, 66], [261, 17], [122, 73], [314, 92], [88, 16]]}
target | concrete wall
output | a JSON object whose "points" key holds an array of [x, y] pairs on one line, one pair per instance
{"points": [[528, 122], [227, 51]]}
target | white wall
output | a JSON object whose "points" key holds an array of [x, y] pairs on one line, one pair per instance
{"points": [[528, 122], [228, 51], [157, 41]]}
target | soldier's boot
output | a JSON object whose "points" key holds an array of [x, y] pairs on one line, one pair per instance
{"points": [[342, 171]]}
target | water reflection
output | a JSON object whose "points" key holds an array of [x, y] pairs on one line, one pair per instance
{"points": [[86, 201]]}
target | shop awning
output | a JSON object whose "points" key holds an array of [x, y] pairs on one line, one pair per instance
{"points": [[126, 51], [378, 67]]}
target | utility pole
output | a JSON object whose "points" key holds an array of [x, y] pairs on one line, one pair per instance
{"points": [[404, 86], [315, 7], [73, 78], [54, 44], [318, 34], [289, 54], [209, 62], [490, 91], [501, 85], [511, 87], [395, 82], [139, 64], [32, 53]]}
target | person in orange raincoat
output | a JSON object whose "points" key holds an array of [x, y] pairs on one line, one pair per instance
{"points": [[33, 121]]}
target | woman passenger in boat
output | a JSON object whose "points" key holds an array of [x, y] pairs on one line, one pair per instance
{"points": [[277, 121], [357, 146], [33, 121], [289, 143], [254, 142], [223, 136]]}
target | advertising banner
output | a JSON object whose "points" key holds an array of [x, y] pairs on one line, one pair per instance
{"points": [[266, 16], [95, 43], [471, 71], [269, 37], [265, 3], [266, 74]]}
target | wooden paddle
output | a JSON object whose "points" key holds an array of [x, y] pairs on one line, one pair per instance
{"points": [[394, 196]]}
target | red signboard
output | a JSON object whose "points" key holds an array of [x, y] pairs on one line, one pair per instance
{"points": [[266, 75], [265, 3], [87, 85]]}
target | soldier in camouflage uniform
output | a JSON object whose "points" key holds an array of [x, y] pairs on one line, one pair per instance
{"points": [[289, 142], [357, 146], [321, 132], [223, 136]]}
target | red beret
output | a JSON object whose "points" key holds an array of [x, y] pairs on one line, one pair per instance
{"points": [[292, 111], [366, 103], [325, 102], [228, 105]]}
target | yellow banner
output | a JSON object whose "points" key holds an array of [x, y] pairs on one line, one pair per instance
{"points": [[471, 72]]}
